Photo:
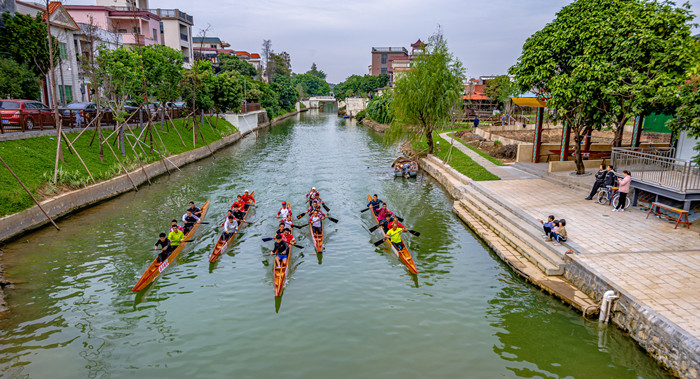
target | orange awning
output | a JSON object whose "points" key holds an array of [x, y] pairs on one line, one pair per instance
{"points": [[529, 102]]}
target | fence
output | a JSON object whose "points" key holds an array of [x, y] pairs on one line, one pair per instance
{"points": [[250, 107], [24, 120], [657, 166]]}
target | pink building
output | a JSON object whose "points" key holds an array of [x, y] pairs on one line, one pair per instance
{"points": [[137, 27]]}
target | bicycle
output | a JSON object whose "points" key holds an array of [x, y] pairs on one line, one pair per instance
{"points": [[611, 196]]}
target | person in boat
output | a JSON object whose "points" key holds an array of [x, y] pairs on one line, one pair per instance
{"points": [[230, 227], [287, 222], [317, 198], [165, 248], [393, 220], [238, 214], [315, 221], [174, 224], [375, 203], [394, 235], [282, 250], [284, 211], [248, 200], [195, 209], [176, 236], [288, 237], [238, 202], [280, 230], [189, 219], [405, 168], [310, 195], [383, 216], [315, 207]]}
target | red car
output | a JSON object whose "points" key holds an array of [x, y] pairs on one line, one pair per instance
{"points": [[25, 114]]}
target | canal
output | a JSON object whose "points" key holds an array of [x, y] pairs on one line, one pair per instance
{"points": [[355, 311]]}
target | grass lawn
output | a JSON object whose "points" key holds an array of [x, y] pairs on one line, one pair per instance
{"points": [[32, 159], [490, 158], [460, 161]]}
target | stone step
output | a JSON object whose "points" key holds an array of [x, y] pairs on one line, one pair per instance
{"points": [[522, 221], [524, 244]]}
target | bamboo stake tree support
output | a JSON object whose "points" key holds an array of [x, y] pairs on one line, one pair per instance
{"points": [[30, 194], [70, 147], [139, 159], [122, 166], [176, 131]]}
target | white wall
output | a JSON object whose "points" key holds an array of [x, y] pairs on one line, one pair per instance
{"points": [[354, 105], [243, 122], [686, 147]]}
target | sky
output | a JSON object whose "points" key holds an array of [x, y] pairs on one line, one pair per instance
{"points": [[487, 36]]}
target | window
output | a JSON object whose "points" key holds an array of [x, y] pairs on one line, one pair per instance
{"points": [[136, 29], [62, 50], [384, 58], [155, 35], [212, 46], [383, 70], [66, 93]]}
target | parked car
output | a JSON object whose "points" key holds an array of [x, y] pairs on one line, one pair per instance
{"points": [[176, 104], [25, 113], [81, 113]]}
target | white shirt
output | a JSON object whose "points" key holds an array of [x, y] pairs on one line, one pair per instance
{"points": [[284, 212], [230, 227]]}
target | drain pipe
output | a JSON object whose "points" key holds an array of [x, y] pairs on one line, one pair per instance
{"points": [[606, 306]]}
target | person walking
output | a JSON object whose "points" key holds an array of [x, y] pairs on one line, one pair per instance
{"points": [[476, 122], [599, 180], [624, 184]]}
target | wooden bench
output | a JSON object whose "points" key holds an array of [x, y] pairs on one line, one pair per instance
{"points": [[656, 209]]}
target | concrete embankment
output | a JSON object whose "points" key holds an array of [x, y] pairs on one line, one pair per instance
{"points": [[377, 127], [63, 204]]}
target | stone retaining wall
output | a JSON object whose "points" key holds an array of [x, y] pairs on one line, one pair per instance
{"points": [[377, 127], [671, 346]]}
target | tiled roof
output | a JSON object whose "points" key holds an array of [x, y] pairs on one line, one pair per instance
{"points": [[417, 44], [56, 5], [255, 55], [206, 39]]}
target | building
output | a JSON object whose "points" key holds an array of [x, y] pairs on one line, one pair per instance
{"points": [[88, 39], [381, 57], [66, 73], [255, 60], [210, 48], [475, 99], [136, 25], [176, 32]]}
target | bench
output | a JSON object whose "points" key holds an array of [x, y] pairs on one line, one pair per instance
{"points": [[656, 209]]}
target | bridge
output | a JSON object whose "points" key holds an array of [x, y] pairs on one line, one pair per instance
{"points": [[316, 101]]}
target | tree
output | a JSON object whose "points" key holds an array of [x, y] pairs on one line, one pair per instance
{"points": [[24, 40], [360, 85], [229, 62], [121, 76], [198, 82], [17, 81], [266, 52], [687, 116], [162, 68], [551, 61], [641, 54], [286, 92], [500, 89], [311, 85], [316, 72], [227, 91], [278, 66], [426, 94]]}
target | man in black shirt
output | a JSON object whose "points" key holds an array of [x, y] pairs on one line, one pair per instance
{"points": [[281, 249], [189, 219], [195, 210], [610, 177], [238, 214], [599, 180], [165, 246]]}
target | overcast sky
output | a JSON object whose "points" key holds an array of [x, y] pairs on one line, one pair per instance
{"points": [[487, 36]]}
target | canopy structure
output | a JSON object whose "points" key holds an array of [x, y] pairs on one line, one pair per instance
{"points": [[529, 102]]}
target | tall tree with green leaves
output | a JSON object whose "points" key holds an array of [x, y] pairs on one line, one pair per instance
{"points": [[227, 91], [24, 40], [162, 68], [311, 85], [425, 95], [230, 62], [501, 89], [279, 65], [316, 72], [17, 81]]}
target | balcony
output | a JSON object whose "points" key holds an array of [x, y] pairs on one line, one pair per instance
{"points": [[658, 167], [173, 13], [136, 39]]}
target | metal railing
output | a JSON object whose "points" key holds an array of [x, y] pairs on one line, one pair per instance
{"points": [[174, 13], [657, 166]]}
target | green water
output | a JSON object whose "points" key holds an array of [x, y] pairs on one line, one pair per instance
{"points": [[353, 312]]}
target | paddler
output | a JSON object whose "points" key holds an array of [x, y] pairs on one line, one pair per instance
{"points": [[394, 235], [239, 202], [195, 210], [230, 227], [288, 237], [165, 249], [238, 214], [174, 223], [189, 219], [310, 195], [375, 203], [383, 216], [280, 230], [315, 207], [287, 222], [284, 211], [176, 236], [281, 249], [248, 199], [315, 221]]}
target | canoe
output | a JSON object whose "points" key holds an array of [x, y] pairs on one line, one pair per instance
{"points": [[280, 273], [155, 269], [318, 238], [398, 171], [221, 246], [404, 255]]}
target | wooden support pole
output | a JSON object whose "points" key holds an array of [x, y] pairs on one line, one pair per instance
{"points": [[30, 194], [565, 138], [70, 147], [164, 157], [139, 159], [537, 138], [176, 131], [123, 168]]}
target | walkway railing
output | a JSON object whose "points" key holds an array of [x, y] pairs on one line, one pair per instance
{"points": [[657, 166]]}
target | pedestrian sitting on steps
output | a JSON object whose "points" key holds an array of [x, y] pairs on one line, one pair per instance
{"points": [[547, 226], [559, 235]]}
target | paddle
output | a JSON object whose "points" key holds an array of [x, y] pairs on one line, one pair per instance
{"points": [[417, 234], [374, 228], [326, 207], [301, 215], [335, 221], [267, 239], [296, 226], [378, 242]]}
